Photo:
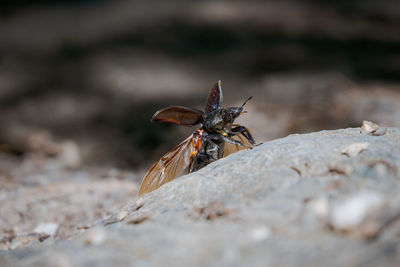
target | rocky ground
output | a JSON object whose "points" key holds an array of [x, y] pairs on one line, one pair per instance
{"points": [[80, 80], [328, 198]]}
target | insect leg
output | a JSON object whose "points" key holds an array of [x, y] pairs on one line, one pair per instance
{"points": [[244, 131], [235, 142], [206, 158], [202, 159]]}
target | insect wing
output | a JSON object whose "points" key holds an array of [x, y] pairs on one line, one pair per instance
{"points": [[232, 148], [179, 115], [175, 163], [214, 100]]}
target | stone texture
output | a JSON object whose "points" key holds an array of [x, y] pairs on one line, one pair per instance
{"points": [[295, 201]]}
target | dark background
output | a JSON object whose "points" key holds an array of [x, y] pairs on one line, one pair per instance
{"points": [[92, 73]]}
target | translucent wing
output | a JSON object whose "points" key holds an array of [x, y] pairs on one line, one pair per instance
{"points": [[179, 115], [232, 148], [214, 99], [173, 164]]}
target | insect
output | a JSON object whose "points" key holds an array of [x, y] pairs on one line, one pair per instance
{"points": [[217, 137]]}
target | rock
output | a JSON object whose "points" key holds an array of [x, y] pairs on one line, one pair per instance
{"points": [[277, 204]]}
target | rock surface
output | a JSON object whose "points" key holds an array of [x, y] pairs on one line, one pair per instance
{"points": [[295, 201]]}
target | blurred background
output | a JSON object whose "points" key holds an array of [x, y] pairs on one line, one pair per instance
{"points": [[80, 80]]}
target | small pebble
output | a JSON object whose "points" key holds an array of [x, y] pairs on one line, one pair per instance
{"points": [[46, 228], [122, 214], [260, 233], [355, 149], [321, 207], [96, 237], [372, 128]]}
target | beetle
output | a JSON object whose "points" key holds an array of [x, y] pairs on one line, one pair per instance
{"points": [[217, 137]]}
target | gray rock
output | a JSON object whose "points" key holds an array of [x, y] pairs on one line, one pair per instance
{"points": [[295, 201]]}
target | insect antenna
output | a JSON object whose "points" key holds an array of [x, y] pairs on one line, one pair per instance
{"points": [[246, 101]]}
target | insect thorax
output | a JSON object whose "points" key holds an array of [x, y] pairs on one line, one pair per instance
{"points": [[218, 120]]}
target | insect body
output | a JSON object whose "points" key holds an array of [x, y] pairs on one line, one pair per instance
{"points": [[217, 137]]}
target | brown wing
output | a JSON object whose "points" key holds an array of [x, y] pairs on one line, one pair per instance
{"points": [[214, 99], [232, 148], [179, 115], [173, 164]]}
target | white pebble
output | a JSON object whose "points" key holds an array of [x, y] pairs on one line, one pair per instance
{"points": [[352, 211], [46, 228], [260, 233]]}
